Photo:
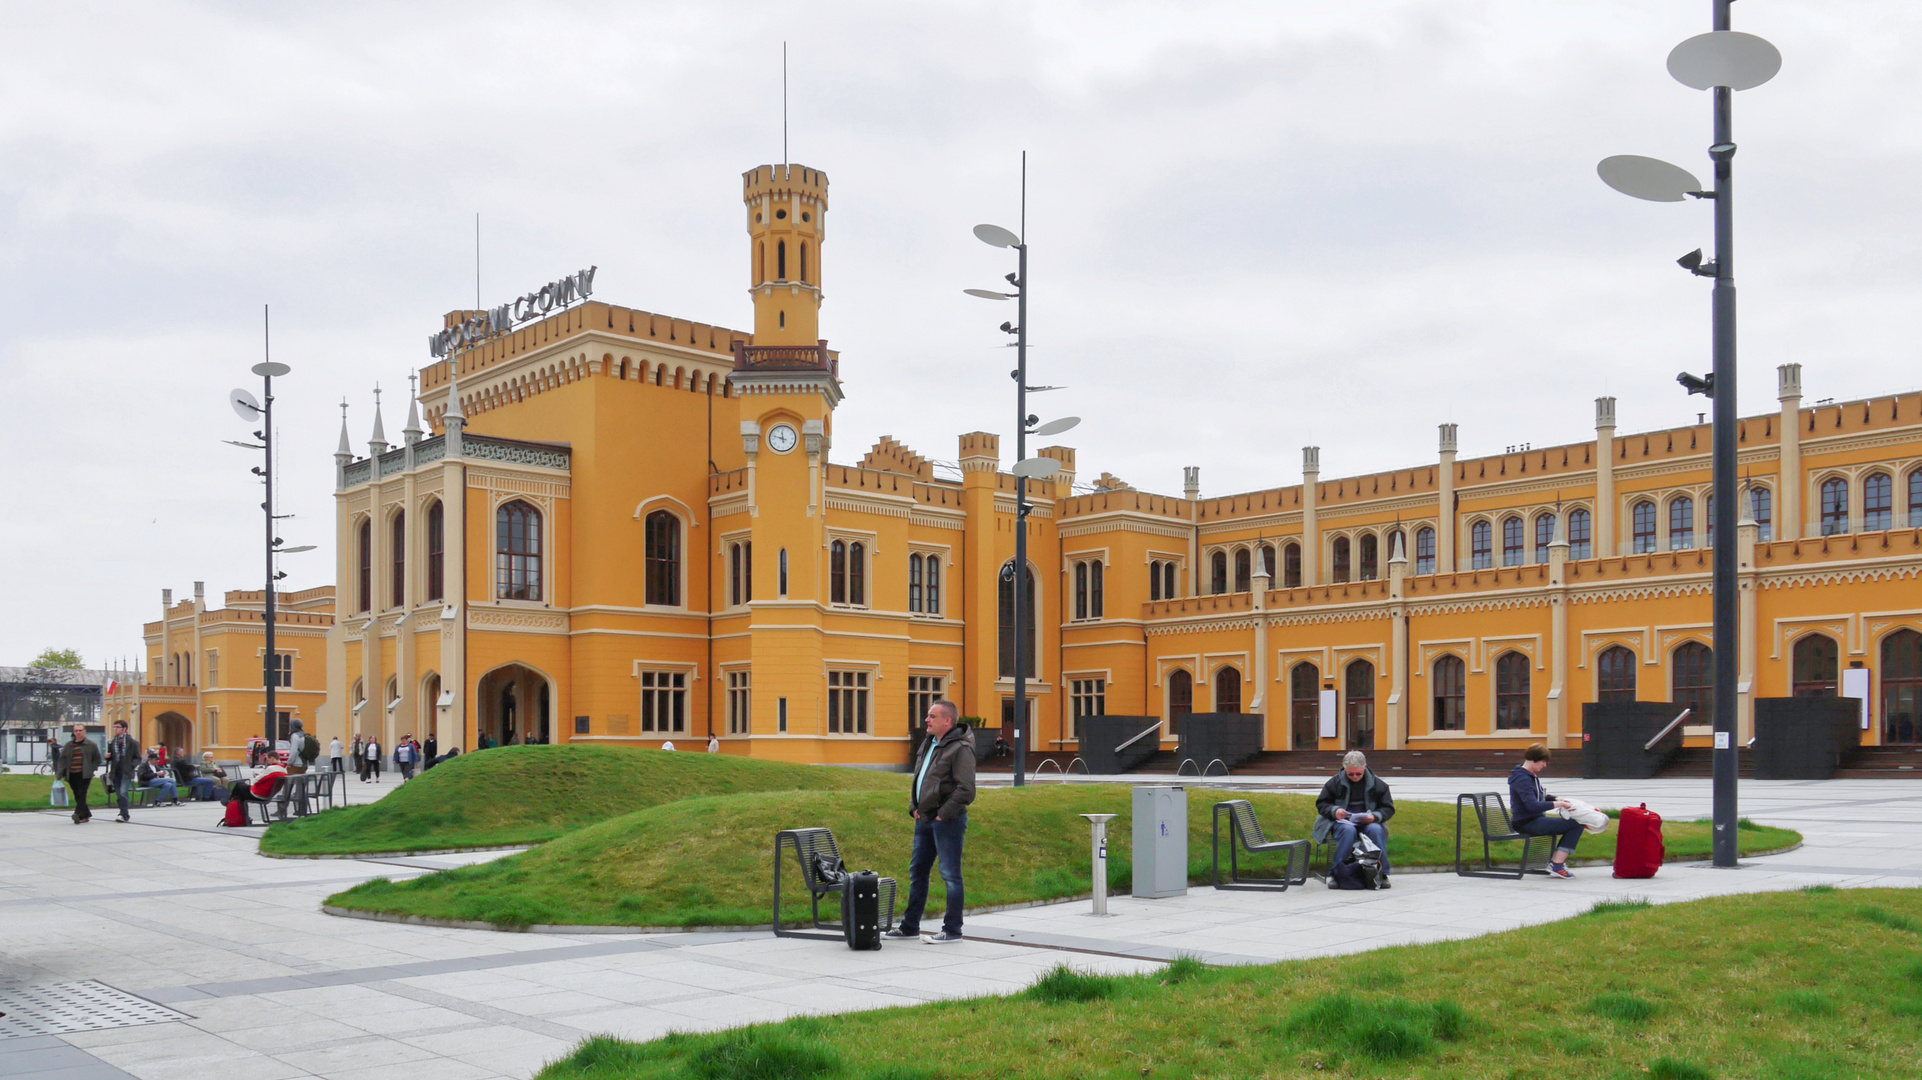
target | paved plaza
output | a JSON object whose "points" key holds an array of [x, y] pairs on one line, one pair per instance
{"points": [[168, 949]]}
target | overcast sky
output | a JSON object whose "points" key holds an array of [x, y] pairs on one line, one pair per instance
{"points": [[1254, 226]]}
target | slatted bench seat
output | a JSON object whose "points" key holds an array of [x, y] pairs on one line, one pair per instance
{"points": [[1491, 814], [808, 845], [1248, 836]]}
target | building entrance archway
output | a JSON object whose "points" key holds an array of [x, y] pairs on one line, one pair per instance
{"points": [[173, 730], [513, 706]]}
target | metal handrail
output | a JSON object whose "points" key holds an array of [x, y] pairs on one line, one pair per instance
{"points": [[1186, 764], [1663, 734], [1212, 764], [1157, 726], [1071, 764]]}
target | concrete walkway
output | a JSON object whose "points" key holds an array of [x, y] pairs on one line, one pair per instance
{"points": [[166, 949]]}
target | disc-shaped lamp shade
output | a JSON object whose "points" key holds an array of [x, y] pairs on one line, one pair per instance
{"points": [[1724, 58], [996, 236], [245, 405], [271, 367], [291, 550], [986, 294], [1056, 427], [1036, 468], [1647, 178]]}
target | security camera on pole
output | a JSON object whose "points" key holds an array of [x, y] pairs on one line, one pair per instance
{"points": [[1722, 62]]}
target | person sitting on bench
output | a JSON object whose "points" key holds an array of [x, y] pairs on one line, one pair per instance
{"points": [[262, 788], [1528, 806], [1354, 801]]}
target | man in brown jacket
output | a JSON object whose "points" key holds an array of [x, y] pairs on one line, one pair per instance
{"points": [[943, 787]]}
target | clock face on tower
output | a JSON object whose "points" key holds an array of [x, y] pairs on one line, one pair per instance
{"points": [[781, 438]]}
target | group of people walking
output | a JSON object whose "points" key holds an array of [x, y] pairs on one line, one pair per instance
{"points": [[410, 754], [128, 768]]}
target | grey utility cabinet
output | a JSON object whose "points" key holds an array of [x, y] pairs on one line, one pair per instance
{"points": [[1161, 841]]}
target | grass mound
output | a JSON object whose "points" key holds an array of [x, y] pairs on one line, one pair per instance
{"points": [[530, 794], [706, 861], [1331, 1016]]}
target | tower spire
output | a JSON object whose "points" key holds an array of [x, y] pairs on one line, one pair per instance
{"points": [[412, 431], [377, 445]]}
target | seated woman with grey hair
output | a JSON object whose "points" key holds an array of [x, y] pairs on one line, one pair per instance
{"points": [[1354, 802]]}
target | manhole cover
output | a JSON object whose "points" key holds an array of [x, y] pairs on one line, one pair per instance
{"points": [[78, 1006]]}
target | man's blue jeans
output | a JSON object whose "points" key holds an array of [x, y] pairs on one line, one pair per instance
{"points": [[123, 790], [1344, 837], [932, 839], [169, 790]]}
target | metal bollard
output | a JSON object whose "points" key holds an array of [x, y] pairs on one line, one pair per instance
{"points": [[1098, 824]]}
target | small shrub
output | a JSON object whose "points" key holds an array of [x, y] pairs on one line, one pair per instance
{"points": [[1669, 1068], [1063, 984], [763, 1054], [1619, 907], [1184, 968], [1622, 1008], [1807, 1002]]}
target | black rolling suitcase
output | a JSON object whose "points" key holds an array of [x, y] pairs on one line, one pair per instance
{"points": [[861, 909]]}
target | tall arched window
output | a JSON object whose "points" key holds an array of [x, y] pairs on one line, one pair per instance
{"points": [[1424, 550], [1451, 693], [1481, 545], [1902, 687], [1029, 618], [1094, 589], [663, 551], [1544, 536], [517, 552], [1581, 536], [914, 584], [1244, 571], [1268, 563], [934, 585], [858, 574], [1359, 682], [1511, 692], [1228, 690], [364, 560], [804, 262], [1154, 581], [780, 261], [1181, 699], [1080, 590], [1835, 506], [1218, 573], [838, 572], [1338, 564], [1692, 681], [1643, 525], [1615, 675], [1815, 665], [1708, 518], [436, 552], [1370, 556], [1168, 581], [1761, 506], [1915, 499], [1291, 566], [1304, 704], [398, 551], [1878, 502], [1513, 552], [1681, 523]]}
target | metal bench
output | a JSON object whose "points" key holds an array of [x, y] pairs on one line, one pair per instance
{"points": [[807, 845], [1491, 813], [1248, 832]]}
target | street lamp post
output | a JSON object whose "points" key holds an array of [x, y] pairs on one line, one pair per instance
{"points": [[1721, 61]]}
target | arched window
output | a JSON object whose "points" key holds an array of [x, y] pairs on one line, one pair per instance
{"points": [[1424, 550], [1451, 693], [1244, 570], [436, 552], [1481, 545], [1902, 687], [804, 262], [1581, 536], [364, 560], [398, 553], [1080, 590], [1338, 565], [1370, 556], [1681, 523], [858, 574], [1708, 518], [517, 552], [1291, 566], [1511, 692], [1692, 681], [1815, 666], [1168, 581], [1761, 506], [933, 571], [1181, 699], [1915, 499], [1360, 686], [1154, 581], [838, 572], [1513, 553], [782, 575], [1878, 502], [1544, 536], [1615, 675], [1218, 573], [1835, 506], [663, 544], [1228, 690], [914, 583], [780, 261], [1268, 563], [1029, 618], [1643, 526], [740, 571], [1094, 589], [1304, 704]]}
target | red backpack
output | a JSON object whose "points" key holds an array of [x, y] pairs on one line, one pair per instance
{"points": [[235, 816]]}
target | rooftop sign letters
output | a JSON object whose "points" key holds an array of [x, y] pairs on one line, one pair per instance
{"points": [[543, 301]]}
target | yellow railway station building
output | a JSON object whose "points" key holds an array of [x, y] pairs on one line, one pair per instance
{"points": [[609, 526]]}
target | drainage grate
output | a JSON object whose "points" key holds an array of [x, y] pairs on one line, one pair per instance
{"points": [[78, 1006]]}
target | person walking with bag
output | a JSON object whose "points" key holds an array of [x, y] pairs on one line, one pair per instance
{"points": [[1528, 807], [943, 788], [123, 761], [75, 762]]}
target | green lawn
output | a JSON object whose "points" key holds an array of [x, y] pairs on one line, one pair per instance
{"points": [[529, 794], [26, 791], [706, 861], [1796, 986]]}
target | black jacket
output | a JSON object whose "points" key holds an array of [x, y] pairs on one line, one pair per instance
{"points": [[123, 757], [947, 789], [1335, 796]]}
